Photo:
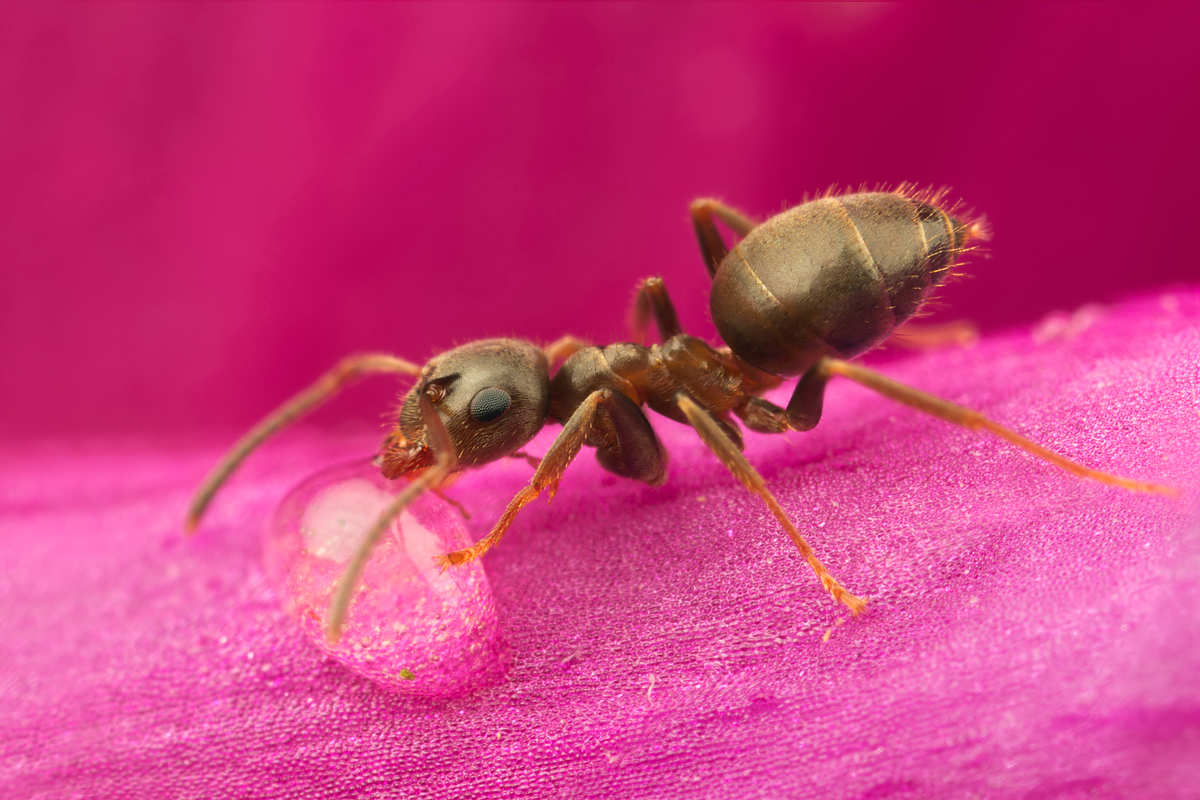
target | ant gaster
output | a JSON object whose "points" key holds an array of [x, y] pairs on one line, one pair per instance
{"points": [[798, 295]]}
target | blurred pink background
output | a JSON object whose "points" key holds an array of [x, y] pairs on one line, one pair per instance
{"points": [[204, 206]]}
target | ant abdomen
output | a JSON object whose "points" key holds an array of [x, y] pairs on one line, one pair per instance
{"points": [[833, 277]]}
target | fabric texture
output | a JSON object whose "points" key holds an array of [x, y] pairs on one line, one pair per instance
{"points": [[1030, 634]]}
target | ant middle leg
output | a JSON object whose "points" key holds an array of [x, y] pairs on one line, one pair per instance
{"points": [[763, 416], [626, 444], [344, 372], [563, 348], [533, 461], [711, 244], [712, 435], [578, 429], [652, 300], [958, 415]]}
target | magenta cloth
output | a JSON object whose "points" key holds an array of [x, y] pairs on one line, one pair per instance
{"points": [[1031, 634], [203, 206]]}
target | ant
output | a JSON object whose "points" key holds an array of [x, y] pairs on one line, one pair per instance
{"points": [[798, 295]]}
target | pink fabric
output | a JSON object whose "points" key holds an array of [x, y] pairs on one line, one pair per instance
{"points": [[202, 206], [1031, 634]]}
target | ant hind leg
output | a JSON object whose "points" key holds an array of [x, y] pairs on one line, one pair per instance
{"points": [[711, 244], [724, 449], [972, 420]]}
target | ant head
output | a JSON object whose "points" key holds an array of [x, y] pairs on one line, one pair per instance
{"points": [[492, 396]]}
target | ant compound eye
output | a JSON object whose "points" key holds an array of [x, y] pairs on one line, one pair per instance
{"points": [[490, 404]]}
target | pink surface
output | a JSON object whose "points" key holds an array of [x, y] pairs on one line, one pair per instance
{"points": [[1032, 635], [204, 205]]}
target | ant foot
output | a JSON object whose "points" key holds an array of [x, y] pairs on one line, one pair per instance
{"points": [[454, 559], [856, 604]]}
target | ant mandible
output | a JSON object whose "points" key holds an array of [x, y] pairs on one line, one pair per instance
{"points": [[799, 295]]}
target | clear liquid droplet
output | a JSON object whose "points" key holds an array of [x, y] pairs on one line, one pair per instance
{"points": [[411, 628]]}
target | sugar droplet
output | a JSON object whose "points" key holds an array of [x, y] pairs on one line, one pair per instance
{"points": [[411, 628]]}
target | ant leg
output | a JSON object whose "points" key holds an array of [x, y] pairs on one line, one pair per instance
{"points": [[652, 300], [959, 333], [736, 463], [972, 420], [563, 348], [346, 370], [459, 507], [808, 400], [711, 244], [574, 433], [532, 461], [762, 416], [629, 447], [430, 479], [754, 379]]}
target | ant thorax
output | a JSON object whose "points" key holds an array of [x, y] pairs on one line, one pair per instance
{"points": [[651, 376]]}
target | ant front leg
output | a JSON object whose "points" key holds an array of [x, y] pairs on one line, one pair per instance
{"points": [[724, 448], [346, 371], [430, 479], [578, 429], [652, 300], [763, 416], [711, 244]]}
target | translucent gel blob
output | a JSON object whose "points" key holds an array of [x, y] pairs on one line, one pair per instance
{"points": [[411, 627]]}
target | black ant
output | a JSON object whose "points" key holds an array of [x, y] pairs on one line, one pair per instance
{"points": [[799, 295]]}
